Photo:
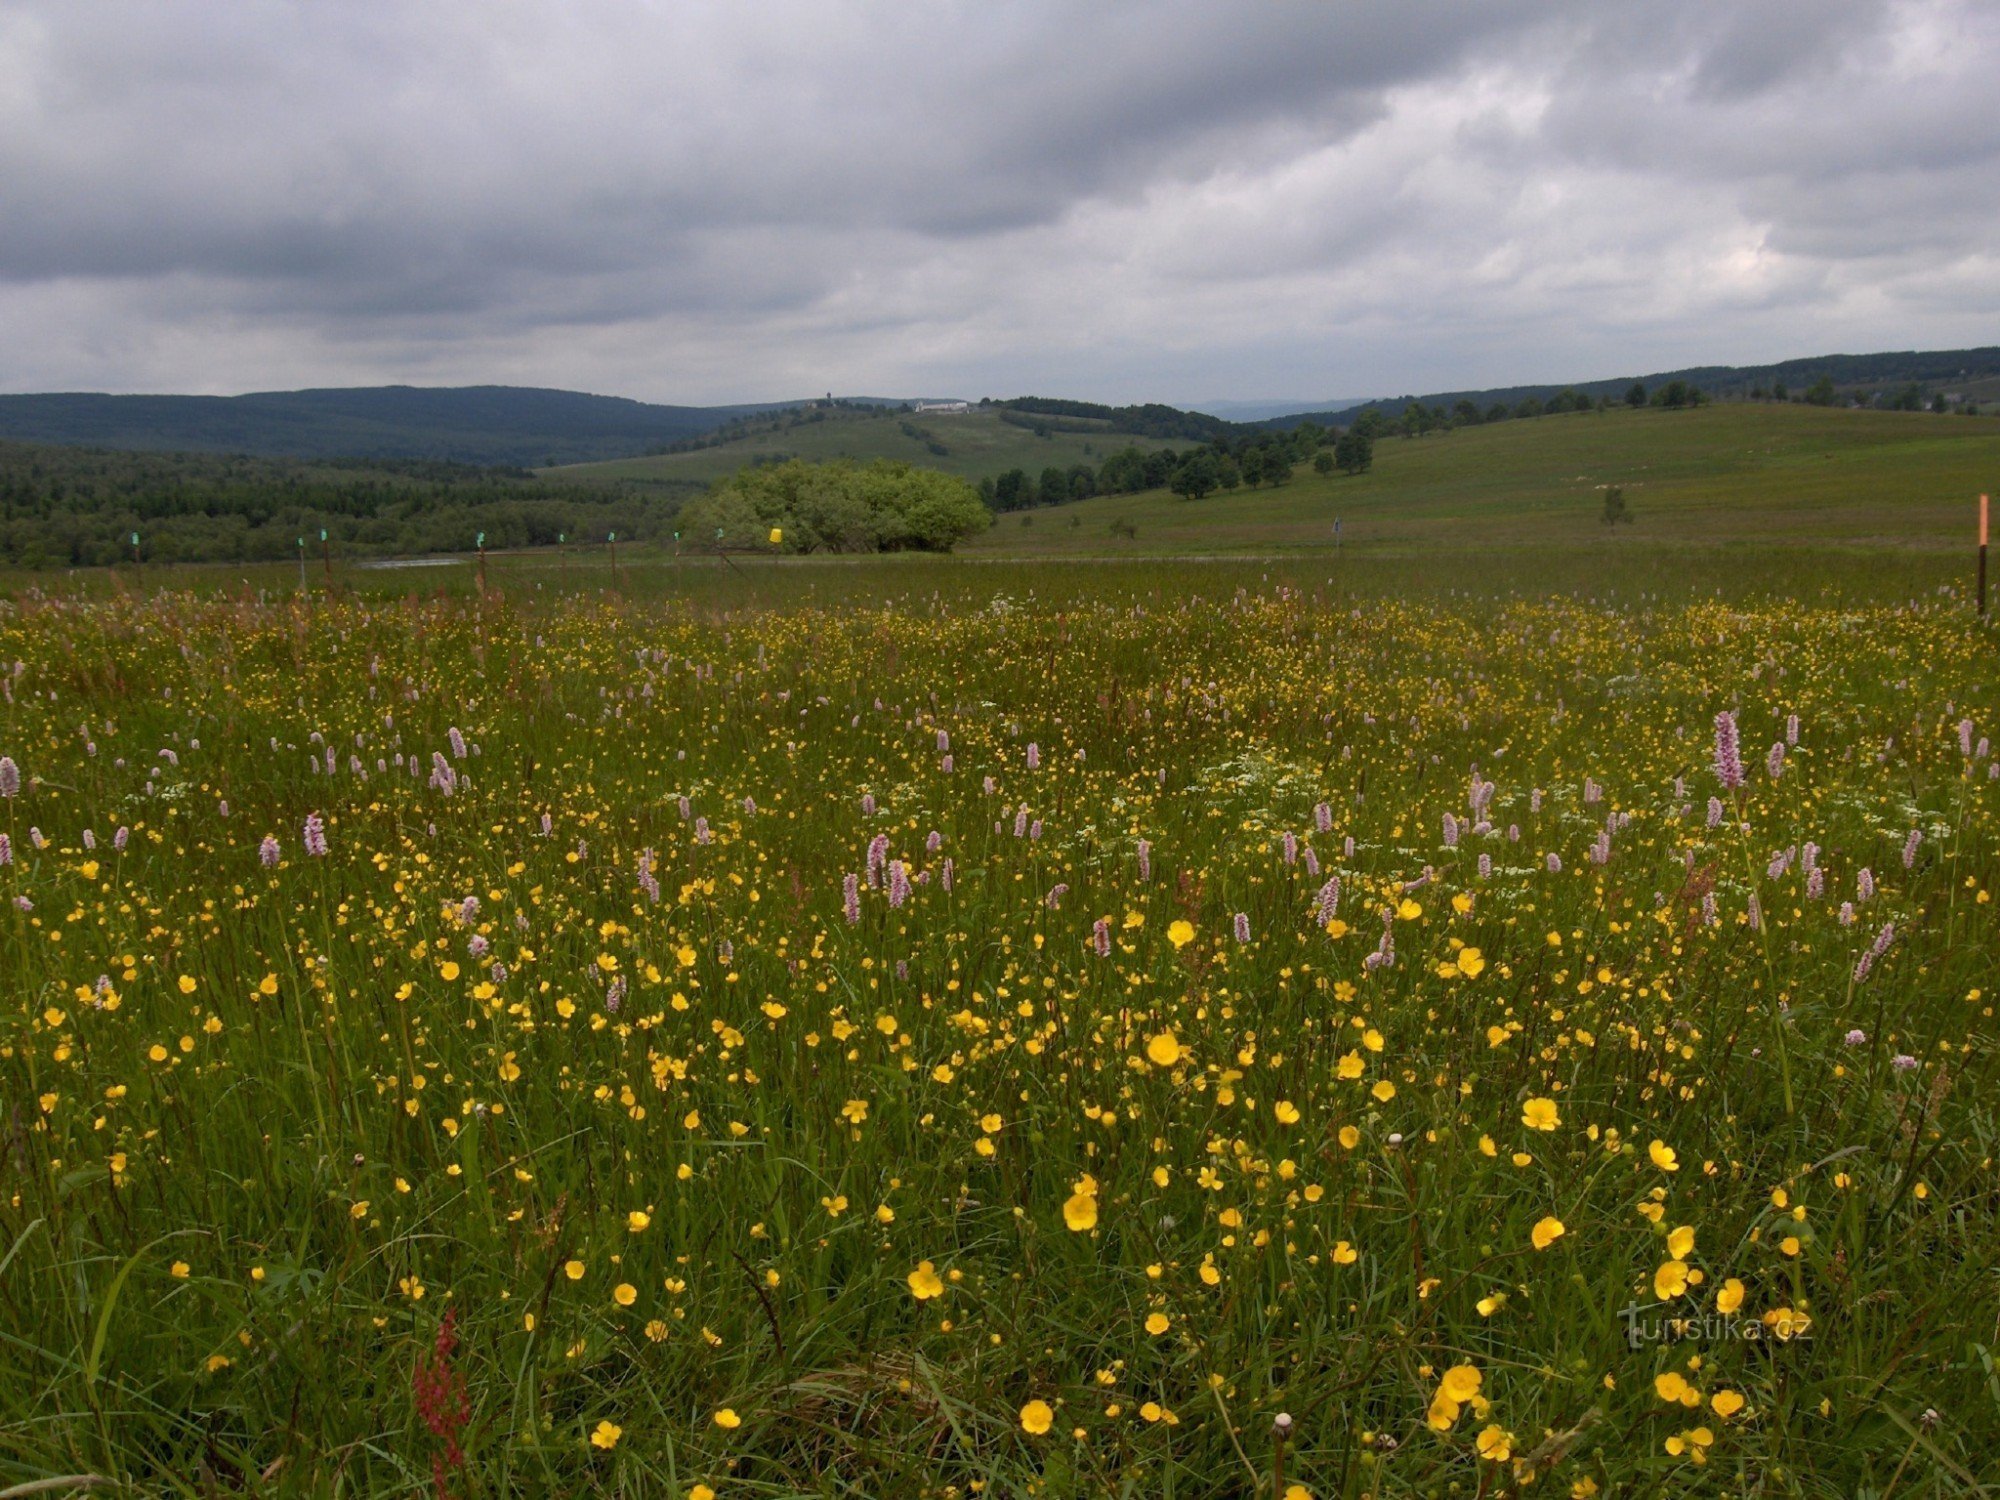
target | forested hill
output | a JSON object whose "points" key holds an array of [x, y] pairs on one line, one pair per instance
{"points": [[486, 424], [1053, 414], [1854, 379]]}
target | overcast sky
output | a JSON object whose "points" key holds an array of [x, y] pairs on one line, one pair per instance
{"points": [[1122, 201]]}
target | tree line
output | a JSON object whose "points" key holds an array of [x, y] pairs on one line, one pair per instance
{"points": [[79, 507], [1243, 458]]}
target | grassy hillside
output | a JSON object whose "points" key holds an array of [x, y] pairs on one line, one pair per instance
{"points": [[977, 444], [489, 424], [1726, 473]]}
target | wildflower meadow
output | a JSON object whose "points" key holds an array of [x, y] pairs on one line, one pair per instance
{"points": [[916, 1035]]}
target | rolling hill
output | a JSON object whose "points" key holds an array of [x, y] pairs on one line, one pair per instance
{"points": [[1726, 476], [488, 424], [976, 444], [527, 427]]}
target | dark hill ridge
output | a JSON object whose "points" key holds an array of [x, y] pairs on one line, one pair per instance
{"points": [[485, 424], [1848, 372]]}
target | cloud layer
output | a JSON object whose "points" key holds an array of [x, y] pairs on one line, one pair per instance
{"points": [[1124, 200]]}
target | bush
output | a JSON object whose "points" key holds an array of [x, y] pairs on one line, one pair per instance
{"points": [[838, 506]]}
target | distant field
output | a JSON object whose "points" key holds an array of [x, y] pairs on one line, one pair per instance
{"points": [[1730, 473], [978, 445], [1725, 487]]}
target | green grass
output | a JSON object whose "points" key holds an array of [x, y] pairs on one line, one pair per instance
{"points": [[979, 445], [231, 1222], [1790, 475]]}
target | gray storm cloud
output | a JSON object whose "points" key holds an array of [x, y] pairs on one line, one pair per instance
{"points": [[1158, 201]]}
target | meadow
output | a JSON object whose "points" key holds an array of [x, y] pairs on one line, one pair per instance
{"points": [[1762, 474], [950, 1027]]}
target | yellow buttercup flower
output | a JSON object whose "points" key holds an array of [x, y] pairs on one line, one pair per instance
{"points": [[1080, 1212], [1540, 1114], [1164, 1050], [925, 1283], [1461, 1382], [1459, 1385], [1037, 1418], [1546, 1232]]}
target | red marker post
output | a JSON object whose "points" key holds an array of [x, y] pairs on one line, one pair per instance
{"points": [[1983, 504]]}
